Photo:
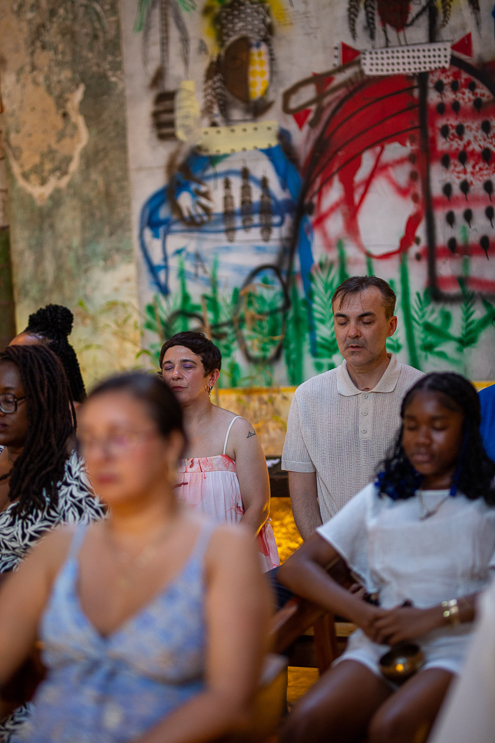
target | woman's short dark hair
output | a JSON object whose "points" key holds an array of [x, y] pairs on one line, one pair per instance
{"points": [[199, 344], [54, 323], [35, 474], [161, 404], [475, 472], [358, 284]]}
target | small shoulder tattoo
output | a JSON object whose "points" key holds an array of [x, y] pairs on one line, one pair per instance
{"points": [[251, 433]]}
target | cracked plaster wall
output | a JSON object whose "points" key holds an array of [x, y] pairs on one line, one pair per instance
{"points": [[65, 138]]}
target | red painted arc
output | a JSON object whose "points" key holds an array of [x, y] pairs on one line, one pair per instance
{"points": [[387, 107]]}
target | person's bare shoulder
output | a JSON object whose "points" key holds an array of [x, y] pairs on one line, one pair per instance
{"points": [[231, 542], [241, 430], [225, 416], [51, 549]]}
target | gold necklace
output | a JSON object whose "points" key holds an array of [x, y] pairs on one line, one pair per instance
{"points": [[426, 512], [142, 559]]}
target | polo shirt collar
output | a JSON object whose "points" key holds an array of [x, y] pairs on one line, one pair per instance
{"points": [[388, 382]]}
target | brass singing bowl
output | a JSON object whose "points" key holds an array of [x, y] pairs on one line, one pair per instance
{"points": [[401, 662]]}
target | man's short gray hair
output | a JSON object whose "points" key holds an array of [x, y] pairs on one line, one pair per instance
{"points": [[358, 284]]}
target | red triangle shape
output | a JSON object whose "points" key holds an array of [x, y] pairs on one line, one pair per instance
{"points": [[348, 53], [301, 117], [322, 83], [464, 45]]}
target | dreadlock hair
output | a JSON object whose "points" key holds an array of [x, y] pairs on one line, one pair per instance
{"points": [[53, 323], [475, 470], [36, 473], [199, 344]]}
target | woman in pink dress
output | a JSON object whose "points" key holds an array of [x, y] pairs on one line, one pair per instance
{"points": [[225, 473]]}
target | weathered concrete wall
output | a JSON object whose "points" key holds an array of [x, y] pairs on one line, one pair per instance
{"points": [[7, 309], [65, 137]]}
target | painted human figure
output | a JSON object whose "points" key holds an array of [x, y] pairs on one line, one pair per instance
{"points": [[229, 210], [236, 208]]}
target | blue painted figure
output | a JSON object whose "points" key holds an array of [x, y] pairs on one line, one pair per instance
{"points": [[237, 209]]}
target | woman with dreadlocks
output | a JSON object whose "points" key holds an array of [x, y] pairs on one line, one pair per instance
{"points": [[42, 482], [422, 537], [51, 326]]}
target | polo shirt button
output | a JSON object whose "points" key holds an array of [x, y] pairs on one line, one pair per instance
{"points": [[365, 397], [365, 412], [364, 430]]}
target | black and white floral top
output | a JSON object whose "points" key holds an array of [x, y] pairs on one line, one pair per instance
{"points": [[76, 505]]}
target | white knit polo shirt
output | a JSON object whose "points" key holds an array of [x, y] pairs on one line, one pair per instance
{"points": [[341, 432]]}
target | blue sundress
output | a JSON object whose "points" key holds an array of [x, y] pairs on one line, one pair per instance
{"points": [[113, 689]]}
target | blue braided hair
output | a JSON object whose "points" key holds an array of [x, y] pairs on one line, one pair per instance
{"points": [[475, 472]]}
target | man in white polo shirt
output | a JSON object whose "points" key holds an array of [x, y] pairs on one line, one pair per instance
{"points": [[342, 422]]}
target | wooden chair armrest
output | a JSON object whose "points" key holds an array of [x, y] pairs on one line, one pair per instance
{"points": [[299, 614], [292, 621]]}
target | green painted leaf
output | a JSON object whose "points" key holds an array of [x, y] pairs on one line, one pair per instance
{"points": [[439, 333]]}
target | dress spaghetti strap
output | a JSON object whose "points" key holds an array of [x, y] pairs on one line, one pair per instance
{"points": [[77, 541], [228, 431]]}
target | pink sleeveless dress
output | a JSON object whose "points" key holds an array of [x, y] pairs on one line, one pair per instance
{"points": [[210, 484]]}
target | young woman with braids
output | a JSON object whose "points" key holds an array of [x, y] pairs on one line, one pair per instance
{"points": [[42, 482], [51, 326], [422, 537]]}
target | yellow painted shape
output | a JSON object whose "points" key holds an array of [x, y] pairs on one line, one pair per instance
{"points": [[224, 140], [481, 385], [279, 13], [258, 72], [187, 113], [267, 409], [289, 390], [292, 389]]}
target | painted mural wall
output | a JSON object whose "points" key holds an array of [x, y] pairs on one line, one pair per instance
{"points": [[278, 146], [69, 195]]}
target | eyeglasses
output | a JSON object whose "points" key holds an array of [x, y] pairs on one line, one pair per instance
{"points": [[8, 402], [115, 446]]}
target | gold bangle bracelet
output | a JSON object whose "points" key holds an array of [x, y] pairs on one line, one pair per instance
{"points": [[451, 612], [467, 603]]}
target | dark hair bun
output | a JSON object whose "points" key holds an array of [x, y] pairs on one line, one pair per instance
{"points": [[53, 321]]}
